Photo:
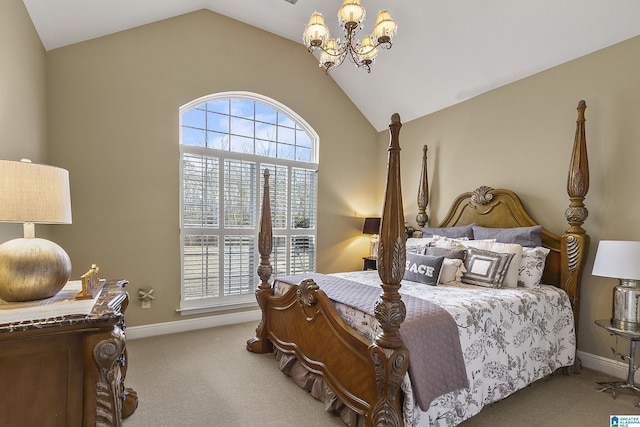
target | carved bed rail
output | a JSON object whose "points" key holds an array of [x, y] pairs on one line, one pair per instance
{"points": [[260, 343], [575, 241], [390, 356]]}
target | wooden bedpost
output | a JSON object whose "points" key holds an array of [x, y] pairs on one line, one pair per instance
{"points": [[575, 241], [260, 343], [390, 357], [423, 192]]}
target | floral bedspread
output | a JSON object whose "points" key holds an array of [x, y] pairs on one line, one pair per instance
{"points": [[510, 337]]}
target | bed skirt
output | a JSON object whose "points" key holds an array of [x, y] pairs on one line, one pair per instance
{"points": [[316, 385]]}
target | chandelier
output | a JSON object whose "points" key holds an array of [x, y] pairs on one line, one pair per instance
{"points": [[362, 53]]}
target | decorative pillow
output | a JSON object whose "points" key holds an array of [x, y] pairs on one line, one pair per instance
{"points": [[417, 245], [511, 278], [445, 252], [452, 271], [423, 269], [486, 268], [453, 232], [448, 243], [523, 236], [532, 266]]}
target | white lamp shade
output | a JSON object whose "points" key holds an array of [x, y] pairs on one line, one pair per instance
{"points": [[316, 32], [31, 192], [385, 25], [618, 259], [367, 49], [351, 11]]}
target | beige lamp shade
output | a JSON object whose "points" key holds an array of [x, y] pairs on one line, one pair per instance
{"points": [[33, 268], [351, 12], [31, 192]]}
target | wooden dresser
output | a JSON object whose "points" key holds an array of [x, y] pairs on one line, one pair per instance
{"points": [[69, 369]]}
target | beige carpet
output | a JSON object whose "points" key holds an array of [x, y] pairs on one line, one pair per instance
{"points": [[207, 378]]}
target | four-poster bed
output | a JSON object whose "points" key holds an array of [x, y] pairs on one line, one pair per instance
{"points": [[365, 379]]}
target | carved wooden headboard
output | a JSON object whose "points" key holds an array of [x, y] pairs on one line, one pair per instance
{"points": [[501, 208]]}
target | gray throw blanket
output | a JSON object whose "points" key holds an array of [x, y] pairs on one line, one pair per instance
{"points": [[436, 364]]}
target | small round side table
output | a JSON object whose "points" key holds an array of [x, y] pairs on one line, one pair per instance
{"points": [[633, 338]]}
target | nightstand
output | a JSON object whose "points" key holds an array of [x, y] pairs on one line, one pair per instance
{"points": [[63, 362], [633, 338], [370, 263]]}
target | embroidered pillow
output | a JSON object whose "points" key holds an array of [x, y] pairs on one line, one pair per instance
{"points": [[452, 271], [523, 236], [463, 231], [453, 265], [511, 278], [486, 268], [423, 269], [532, 266]]}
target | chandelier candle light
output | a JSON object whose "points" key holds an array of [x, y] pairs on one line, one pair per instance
{"points": [[350, 16], [32, 268]]}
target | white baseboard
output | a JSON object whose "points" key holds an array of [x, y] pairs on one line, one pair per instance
{"points": [[616, 368], [144, 331]]}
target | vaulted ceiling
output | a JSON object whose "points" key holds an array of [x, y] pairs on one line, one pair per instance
{"points": [[445, 51]]}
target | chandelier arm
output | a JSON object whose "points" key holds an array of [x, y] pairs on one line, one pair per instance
{"points": [[340, 53], [353, 54]]}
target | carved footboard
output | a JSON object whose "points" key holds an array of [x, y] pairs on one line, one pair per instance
{"points": [[304, 322]]}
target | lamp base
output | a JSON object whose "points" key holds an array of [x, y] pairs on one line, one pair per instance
{"points": [[373, 250], [626, 309], [32, 269]]}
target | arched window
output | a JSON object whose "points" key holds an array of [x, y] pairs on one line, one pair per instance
{"points": [[226, 141]]}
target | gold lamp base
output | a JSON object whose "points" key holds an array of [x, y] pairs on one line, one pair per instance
{"points": [[32, 269]]}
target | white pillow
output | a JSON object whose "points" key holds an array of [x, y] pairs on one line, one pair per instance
{"points": [[452, 271], [511, 278], [416, 245], [532, 266], [447, 243]]}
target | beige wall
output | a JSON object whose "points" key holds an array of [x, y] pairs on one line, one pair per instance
{"points": [[113, 119], [520, 137], [22, 94]]}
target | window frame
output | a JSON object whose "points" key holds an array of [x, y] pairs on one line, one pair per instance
{"points": [[222, 302]]}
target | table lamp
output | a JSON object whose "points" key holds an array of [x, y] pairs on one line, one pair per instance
{"points": [[621, 260], [372, 226], [32, 268]]}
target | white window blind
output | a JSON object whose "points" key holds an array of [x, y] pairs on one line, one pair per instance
{"points": [[239, 194], [200, 191], [226, 142], [201, 273], [278, 193], [239, 264]]}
